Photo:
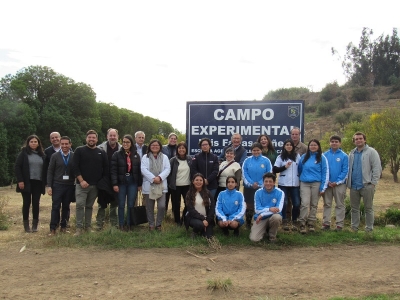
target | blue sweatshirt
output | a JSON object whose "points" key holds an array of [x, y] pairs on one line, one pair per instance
{"points": [[263, 200], [254, 168], [338, 163], [311, 171], [230, 206]]}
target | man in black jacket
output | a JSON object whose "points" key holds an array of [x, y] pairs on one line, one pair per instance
{"points": [[239, 150], [207, 164], [90, 165]]}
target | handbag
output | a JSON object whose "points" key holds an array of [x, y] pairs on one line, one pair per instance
{"points": [[138, 213]]}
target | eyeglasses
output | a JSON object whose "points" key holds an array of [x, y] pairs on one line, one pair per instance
{"points": [[126, 142]]}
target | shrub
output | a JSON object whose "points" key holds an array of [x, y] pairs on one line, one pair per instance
{"points": [[219, 284], [324, 109], [4, 224], [392, 216], [340, 102], [310, 108], [330, 91], [360, 94], [395, 83]]}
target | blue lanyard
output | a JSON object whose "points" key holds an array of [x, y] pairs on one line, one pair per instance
{"points": [[66, 160]]}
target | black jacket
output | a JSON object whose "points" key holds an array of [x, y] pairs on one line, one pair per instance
{"points": [[119, 168], [192, 213], [22, 172], [207, 164]]}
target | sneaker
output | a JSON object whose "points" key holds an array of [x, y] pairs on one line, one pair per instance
{"points": [[326, 227], [303, 229], [158, 228], [78, 232], [272, 240], [338, 228], [311, 228], [52, 232]]}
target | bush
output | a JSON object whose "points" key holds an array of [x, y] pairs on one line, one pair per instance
{"points": [[340, 102], [310, 108], [4, 223], [392, 216], [395, 83], [324, 109], [330, 91], [360, 95]]}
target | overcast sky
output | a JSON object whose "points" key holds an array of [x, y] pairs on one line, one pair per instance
{"points": [[154, 56]]}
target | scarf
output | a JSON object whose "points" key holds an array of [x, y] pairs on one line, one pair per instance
{"points": [[156, 167], [128, 162]]}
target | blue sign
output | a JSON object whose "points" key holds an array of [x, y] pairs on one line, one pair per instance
{"points": [[218, 121]]}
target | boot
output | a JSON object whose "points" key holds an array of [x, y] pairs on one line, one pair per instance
{"points": [[35, 225], [26, 226]]}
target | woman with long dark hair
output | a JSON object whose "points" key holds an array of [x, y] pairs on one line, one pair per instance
{"points": [[254, 167], [126, 178], [179, 179], [287, 165], [30, 171], [200, 207], [155, 168], [314, 178], [268, 149]]}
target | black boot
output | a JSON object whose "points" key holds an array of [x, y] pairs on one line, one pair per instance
{"points": [[35, 225], [225, 231], [26, 226]]}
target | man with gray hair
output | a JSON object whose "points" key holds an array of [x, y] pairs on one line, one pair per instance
{"points": [[239, 151], [141, 148], [109, 147]]}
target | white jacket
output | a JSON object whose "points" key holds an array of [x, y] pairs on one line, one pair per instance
{"points": [[148, 177], [290, 176]]}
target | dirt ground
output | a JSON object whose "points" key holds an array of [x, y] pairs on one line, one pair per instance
{"points": [[256, 273]]}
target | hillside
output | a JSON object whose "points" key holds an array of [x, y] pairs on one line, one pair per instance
{"points": [[316, 126]]}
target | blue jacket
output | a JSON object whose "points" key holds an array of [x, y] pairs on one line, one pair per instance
{"points": [[230, 206], [254, 168], [338, 163], [311, 171], [263, 200]]}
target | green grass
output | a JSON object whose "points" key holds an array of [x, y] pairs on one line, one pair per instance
{"points": [[178, 237], [219, 284]]}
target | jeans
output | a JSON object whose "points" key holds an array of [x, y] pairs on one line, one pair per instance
{"points": [[198, 227], [294, 192], [127, 193], [62, 196], [32, 197]]}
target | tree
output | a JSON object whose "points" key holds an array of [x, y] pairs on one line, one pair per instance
{"points": [[372, 62], [384, 134]]}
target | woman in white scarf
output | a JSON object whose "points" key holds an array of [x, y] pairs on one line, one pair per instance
{"points": [[155, 168]]}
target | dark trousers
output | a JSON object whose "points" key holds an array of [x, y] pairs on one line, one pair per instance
{"points": [[62, 196], [176, 195], [198, 227], [248, 194], [167, 195], [32, 198]]}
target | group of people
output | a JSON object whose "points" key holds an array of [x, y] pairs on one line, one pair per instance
{"points": [[209, 184]]}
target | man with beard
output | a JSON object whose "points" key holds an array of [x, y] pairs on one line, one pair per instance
{"points": [[90, 165]]}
